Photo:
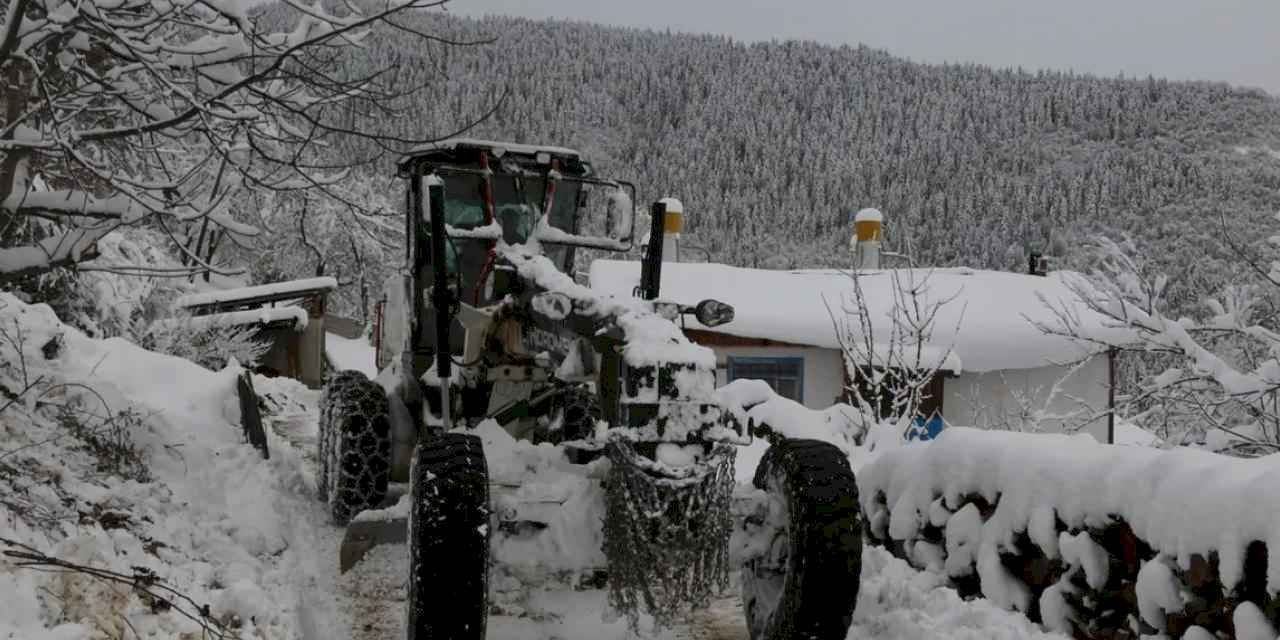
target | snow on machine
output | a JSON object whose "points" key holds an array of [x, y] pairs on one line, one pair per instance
{"points": [[486, 331]]}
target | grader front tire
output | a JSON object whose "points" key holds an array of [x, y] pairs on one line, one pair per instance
{"points": [[805, 585], [449, 540]]}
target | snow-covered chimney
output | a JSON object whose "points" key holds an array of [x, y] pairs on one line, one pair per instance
{"points": [[865, 242], [672, 225]]}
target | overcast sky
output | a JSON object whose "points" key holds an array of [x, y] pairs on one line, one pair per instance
{"points": [[1237, 41]]}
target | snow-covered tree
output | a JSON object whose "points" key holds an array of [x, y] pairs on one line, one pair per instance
{"points": [[1212, 377], [164, 113], [354, 233]]}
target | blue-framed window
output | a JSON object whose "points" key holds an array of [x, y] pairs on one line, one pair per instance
{"points": [[785, 375]]}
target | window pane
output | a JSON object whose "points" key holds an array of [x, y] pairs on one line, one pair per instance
{"points": [[784, 375], [768, 369], [787, 388], [463, 200], [517, 205], [564, 207]]}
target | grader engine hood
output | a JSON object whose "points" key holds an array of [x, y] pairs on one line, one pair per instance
{"points": [[667, 390]]}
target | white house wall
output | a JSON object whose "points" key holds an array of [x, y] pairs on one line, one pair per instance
{"points": [[1002, 399], [823, 380], [993, 400]]}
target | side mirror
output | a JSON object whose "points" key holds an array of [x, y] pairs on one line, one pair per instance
{"points": [[620, 214], [713, 313]]}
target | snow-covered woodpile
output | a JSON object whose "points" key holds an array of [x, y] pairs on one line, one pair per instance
{"points": [[1089, 539]]}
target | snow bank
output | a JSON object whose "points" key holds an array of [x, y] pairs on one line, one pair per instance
{"points": [[567, 498], [203, 512], [351, 353], [992, 496], [758, 404]]}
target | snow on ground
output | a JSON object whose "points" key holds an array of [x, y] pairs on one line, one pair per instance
{"points": [[1131, 434], [247, 537], [351, 353], [896, 602], [900, 603], [213, 520]]}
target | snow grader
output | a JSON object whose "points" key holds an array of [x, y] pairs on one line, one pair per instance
{"points": [[486, 327]]}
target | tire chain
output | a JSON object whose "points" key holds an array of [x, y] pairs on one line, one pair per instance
{"points": [[356, 445], [333, 389], [666, 540], [823, 530]]}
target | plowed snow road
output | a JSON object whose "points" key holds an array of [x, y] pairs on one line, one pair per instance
{"points": [[367, 603]]}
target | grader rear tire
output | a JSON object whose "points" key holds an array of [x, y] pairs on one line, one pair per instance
{"points": [[805, 585], [354, 445], [449, 540]]}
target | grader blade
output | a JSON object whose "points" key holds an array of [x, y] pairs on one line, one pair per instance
{"points": [[363, 535], [388, 525]]}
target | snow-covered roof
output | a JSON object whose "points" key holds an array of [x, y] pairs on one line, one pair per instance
{"points": [[496, 147], [987, 320], [262, 292], [296, 317]]}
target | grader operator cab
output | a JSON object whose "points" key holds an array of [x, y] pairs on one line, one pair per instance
{"points": [[486, 323]]}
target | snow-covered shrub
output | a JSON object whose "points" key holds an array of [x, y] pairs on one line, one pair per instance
{"points": [[211, 345], [107, 302], [74, 408], [891, 374], [109, 439]]}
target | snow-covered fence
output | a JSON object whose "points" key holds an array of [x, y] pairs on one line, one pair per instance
{"points": [[1089, 539]]}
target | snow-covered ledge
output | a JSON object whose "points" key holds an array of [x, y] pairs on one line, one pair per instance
{"points": [[1087, 538]]}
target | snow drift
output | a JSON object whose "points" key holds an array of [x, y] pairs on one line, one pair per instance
{"points": [[123, 460]]}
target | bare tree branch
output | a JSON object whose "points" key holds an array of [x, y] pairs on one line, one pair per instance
{"points": [[12, 23]]}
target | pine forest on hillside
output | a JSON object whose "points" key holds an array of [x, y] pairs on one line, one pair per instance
{"points": [[772, 145]]}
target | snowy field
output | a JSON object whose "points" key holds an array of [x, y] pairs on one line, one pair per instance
{"points": [[247, 537]]}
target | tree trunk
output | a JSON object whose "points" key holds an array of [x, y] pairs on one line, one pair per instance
{"points": [[9, 161]]}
